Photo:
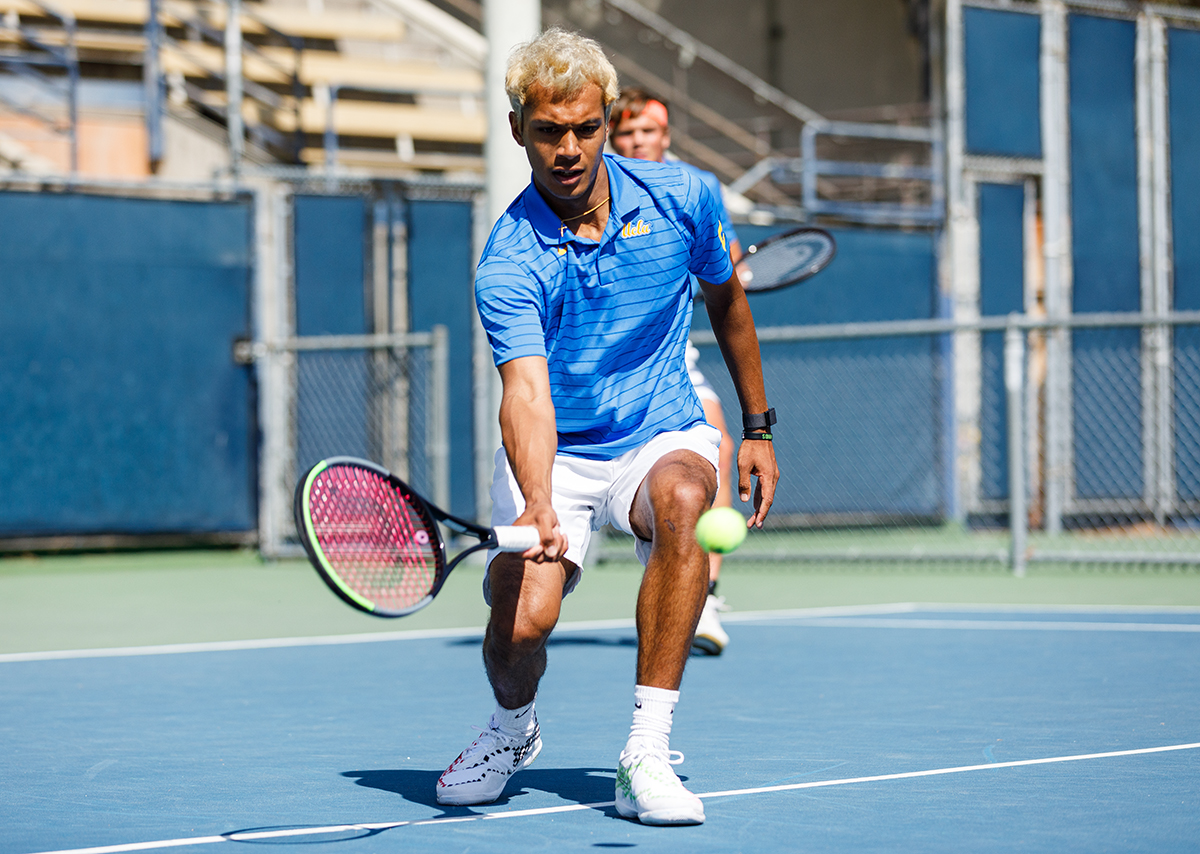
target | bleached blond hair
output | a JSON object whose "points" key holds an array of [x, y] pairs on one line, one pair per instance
{"points": [[563, 63]]}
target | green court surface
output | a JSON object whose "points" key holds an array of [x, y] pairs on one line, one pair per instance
{"points": [[142, 598]]}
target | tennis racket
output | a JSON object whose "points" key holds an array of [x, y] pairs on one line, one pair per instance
{"points": [[376, 542], [786, 259]]}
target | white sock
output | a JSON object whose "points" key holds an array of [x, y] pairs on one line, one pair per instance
{"points": [[653, 709], [515, 722]]}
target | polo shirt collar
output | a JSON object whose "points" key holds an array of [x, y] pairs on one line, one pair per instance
{"points": [[624, 203]]}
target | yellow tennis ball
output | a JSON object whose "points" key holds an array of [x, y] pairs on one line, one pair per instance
{"points": [[721, 530]]}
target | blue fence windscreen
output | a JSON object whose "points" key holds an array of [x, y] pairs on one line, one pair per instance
{"points": [[1183, 51], [860, 421], [1003, 83], [330, 273], [1106, 364], [123, 411], [1001, 292], [330, 253], [441, 291]]}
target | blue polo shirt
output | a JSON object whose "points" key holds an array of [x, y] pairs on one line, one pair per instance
{"points": [[714, 185], [611, 317]]}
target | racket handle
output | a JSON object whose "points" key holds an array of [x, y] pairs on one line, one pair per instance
{"points": [[516, 538]]}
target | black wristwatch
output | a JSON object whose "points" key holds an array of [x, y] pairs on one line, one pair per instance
{"points": [[757, 425]]}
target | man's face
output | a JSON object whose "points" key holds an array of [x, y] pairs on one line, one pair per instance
{"points": [[564, 141], [641, 137]]}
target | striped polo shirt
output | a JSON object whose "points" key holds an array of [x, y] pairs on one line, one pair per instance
{"points": [[610, 317], [714, 185]]}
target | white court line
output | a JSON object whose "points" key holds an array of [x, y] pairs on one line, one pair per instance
{"points": [[380, 637], [823, 616], [788, 787], [942, 607], [1000, 625]]}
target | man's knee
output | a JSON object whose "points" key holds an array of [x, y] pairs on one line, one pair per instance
{"points": [[678, 488], [526, 598], [687, 486]]}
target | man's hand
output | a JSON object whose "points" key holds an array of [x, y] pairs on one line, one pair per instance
{"points": [[756, 458], [553, 546]]}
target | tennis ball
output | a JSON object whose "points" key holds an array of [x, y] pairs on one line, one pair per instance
{"points": [[721, 530]]}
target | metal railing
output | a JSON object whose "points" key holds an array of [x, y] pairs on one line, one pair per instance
{"points": [[224, 101]]}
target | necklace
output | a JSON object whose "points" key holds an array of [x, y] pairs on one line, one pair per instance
{"points": [[588, 211]]}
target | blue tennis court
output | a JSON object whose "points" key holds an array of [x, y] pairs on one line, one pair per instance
{"points": [[884, 728]]}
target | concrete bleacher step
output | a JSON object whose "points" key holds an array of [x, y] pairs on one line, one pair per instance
{"points": [[328, 25], [16, 157], [276, 64], [368, 119]]}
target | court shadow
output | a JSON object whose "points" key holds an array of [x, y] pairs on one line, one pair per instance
{"points": [[584, 640], [564, 640], [581, 785]]}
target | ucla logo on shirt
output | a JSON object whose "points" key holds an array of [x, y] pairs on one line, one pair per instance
{"points": [[635, 229]]}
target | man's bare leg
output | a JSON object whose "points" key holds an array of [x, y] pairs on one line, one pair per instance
{"points": [[675, 492], [678, 488], [526, 600]]}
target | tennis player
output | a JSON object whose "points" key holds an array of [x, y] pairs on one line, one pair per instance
{"points": [[584, 292], [639, 128]]}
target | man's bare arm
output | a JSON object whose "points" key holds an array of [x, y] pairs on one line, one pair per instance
{"points": [[529, 433], [733, 324]]}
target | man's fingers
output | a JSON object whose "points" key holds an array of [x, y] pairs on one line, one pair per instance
{"points": [[763, 499], [554, 546]]}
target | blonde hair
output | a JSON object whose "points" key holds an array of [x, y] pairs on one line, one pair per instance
{"points": [[562, 62]]}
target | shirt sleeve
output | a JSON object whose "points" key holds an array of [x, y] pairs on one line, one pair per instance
{"points": [[710, 248], [510, 309], [714, 186]]}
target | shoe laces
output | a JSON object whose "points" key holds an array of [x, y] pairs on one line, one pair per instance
{"points": [[494, 735], [671, 757]]}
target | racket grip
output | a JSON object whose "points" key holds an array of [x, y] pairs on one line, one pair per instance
{"points": [[516, 538]]}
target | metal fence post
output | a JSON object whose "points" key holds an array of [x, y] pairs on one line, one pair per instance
{"points": [[1056, 193], [152, 83], [233, 86], [438, 425], [1014, 387]]}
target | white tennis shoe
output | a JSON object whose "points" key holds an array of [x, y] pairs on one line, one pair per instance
{"points": [[649, 790], [710, 638], [479, 773]]}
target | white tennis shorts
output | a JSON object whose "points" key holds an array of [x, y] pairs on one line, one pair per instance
{"points": [[589, 494], [704, 389]]}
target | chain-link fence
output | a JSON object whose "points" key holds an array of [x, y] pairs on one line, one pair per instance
{"points": [[896, 442], [381, 397]]}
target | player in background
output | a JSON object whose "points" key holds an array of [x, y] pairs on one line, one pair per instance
{"points": [[584, 290], [639, 128]]}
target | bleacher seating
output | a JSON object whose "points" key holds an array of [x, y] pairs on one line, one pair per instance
{"points": [[395, 105]]}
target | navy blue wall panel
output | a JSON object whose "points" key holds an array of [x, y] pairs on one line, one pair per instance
{"points": [[441, 275], [1003, 82], [1001, 292], [123, 411], [329, 270], [1183, 50], [330, 253], [859, 421], [1107, 277]]}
